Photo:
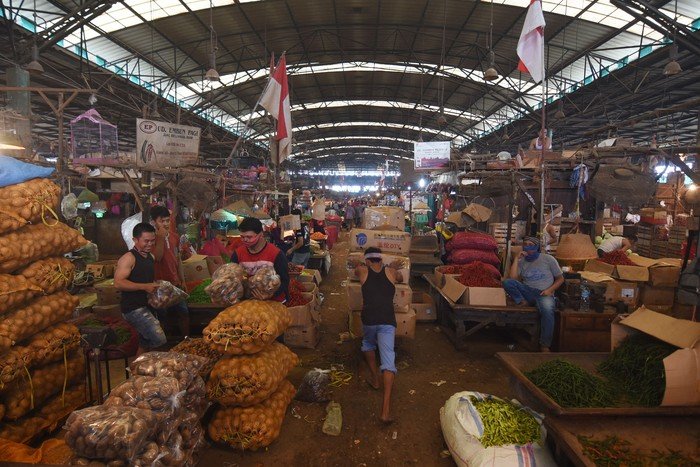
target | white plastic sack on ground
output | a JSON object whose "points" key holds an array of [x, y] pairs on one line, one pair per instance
{"points": [[462, 427], [128, 229]]}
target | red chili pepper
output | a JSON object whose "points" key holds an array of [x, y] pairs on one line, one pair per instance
{"points": [[478, 275], [617, 258]]}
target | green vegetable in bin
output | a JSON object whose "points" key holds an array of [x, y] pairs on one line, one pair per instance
{"points": [[505, 423], [198, 295], [570, 385]]}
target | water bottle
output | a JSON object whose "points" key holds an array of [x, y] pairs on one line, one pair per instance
{"points": [[334, 419], [585, 298]]}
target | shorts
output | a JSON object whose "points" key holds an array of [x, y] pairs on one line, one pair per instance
{"points": [[150, 332], [381, 336]]}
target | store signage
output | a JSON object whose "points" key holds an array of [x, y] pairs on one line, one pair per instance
{"points": [[162, 144], [432, 155]]}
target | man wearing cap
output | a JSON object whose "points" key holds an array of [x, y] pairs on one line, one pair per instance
{"points": [[541, 277]]}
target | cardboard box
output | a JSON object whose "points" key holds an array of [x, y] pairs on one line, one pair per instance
{"points": [[389, 241], [107, 311], [290, 222], [657, 296], [107, 293], [681, 367], [102, 269], [196, 268], [664, 272], [624, 273], [625, 292], [441, 277], [474, 296], [405, 324], [384, 218], [305, 337], [387, 259], [477, 212], [402, 296], [305, 315], [310, 275], [594, 265], [424, 307]]}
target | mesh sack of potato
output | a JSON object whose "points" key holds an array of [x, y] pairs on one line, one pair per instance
{"points": [[33, 242], [33, 201], [50, 274], [50, 344], [247, 327], [15, 291], [160, 394], [166, 295], [104, 432], [12, 365], [34, 317], [264, 283], [45, 418], [252, 427], [249, 379], [25, 394], [197, 346]]}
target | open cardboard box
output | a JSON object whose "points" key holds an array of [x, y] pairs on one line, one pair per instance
{"points": [[387, 259], [402, 296], [196, 268], [389, 241], [473, 296], [310, 275], [624, 273], [305, 315], [664, 272], [683, 366]]}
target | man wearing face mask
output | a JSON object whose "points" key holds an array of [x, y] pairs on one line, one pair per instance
{"points": [[541, 276], [256, 252]]}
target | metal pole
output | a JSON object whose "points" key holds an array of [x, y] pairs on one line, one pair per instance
{"points": [[509, 232], [541, 220]]}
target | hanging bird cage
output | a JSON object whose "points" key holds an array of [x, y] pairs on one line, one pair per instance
{"points": [[93, 139]]}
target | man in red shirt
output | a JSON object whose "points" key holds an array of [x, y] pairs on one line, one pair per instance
{"points": [[168, 266]]}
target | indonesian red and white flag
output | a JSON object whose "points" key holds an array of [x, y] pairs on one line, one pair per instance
{"points": [[531, 43], [275, 99]]}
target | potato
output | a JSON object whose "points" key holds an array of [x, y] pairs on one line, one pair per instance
{"points": [[265, 281], [252, 427], [166, 295], [15, 291], [250, 379], [247, 327], [197, 346], [50, 274], [28, 202], [34, 242]]}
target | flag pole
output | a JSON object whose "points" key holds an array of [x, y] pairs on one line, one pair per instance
{"points": [[544, 139]]}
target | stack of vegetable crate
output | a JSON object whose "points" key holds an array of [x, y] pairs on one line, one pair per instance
{"points": [[248, 383], [153, 418], [42, 368]]}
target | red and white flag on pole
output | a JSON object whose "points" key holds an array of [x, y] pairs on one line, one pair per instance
{"points": [[275, 99], [531, 43]]}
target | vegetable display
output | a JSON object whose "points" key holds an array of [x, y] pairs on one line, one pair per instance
{"points": [[247, 327], [227, 284], [32, 201], [254, 427], [198, 294], [50, 274], [570, 386], [15, 290], [166, 295], [22, 396], [505, 423], [197, 346], [459, 268], [264, 283], [249, 379], [33, 242], [617, 258], [38, 315], [318, 236], [636, 367], [478, 274]]}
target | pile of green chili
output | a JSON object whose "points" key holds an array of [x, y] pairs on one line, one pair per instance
{"points": [[198, 295], [571, 386], [505, 423], [636, 367]]}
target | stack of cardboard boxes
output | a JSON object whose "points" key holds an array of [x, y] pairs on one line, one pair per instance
{"points": [[304, 330]]}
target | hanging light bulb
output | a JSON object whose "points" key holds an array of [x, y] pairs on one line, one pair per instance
{"points": [[491, 73], [34, 67], [559, 114], [212, 75]]}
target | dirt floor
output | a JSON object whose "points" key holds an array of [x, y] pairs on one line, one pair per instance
{"points": [[430, 371]]}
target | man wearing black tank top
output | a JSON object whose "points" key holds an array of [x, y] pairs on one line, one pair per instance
{"points": [[378, 322], [134, 276]]}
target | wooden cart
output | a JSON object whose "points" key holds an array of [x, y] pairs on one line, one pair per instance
{"points": [[453, 317]]}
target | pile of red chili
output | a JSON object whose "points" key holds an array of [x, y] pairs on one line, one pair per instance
{"points": [[617, 258], [477, 274], [295, 294]]}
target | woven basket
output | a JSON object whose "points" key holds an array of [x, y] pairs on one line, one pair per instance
{"points": [[574, 247]]}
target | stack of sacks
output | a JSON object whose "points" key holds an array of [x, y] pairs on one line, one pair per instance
{"points": [[249, 382], [42, 369], [153, 418], [468, 247]]}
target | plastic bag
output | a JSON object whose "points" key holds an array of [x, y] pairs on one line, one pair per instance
{"points": [[181, 366], [197, 346], [196, 397], [14, 171], [315, 386], [192, 432], [264, 283], [227, 284], [128, 229], [166, 295], [103, 432]]}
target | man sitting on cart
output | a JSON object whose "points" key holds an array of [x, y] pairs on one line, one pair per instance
{"points": [[540, 276]]}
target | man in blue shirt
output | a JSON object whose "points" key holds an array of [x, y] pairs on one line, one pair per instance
{"points": [[541, 277]]}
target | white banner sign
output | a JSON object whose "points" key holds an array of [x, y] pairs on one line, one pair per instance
{"points": [[431, 156], [162, 144]]}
